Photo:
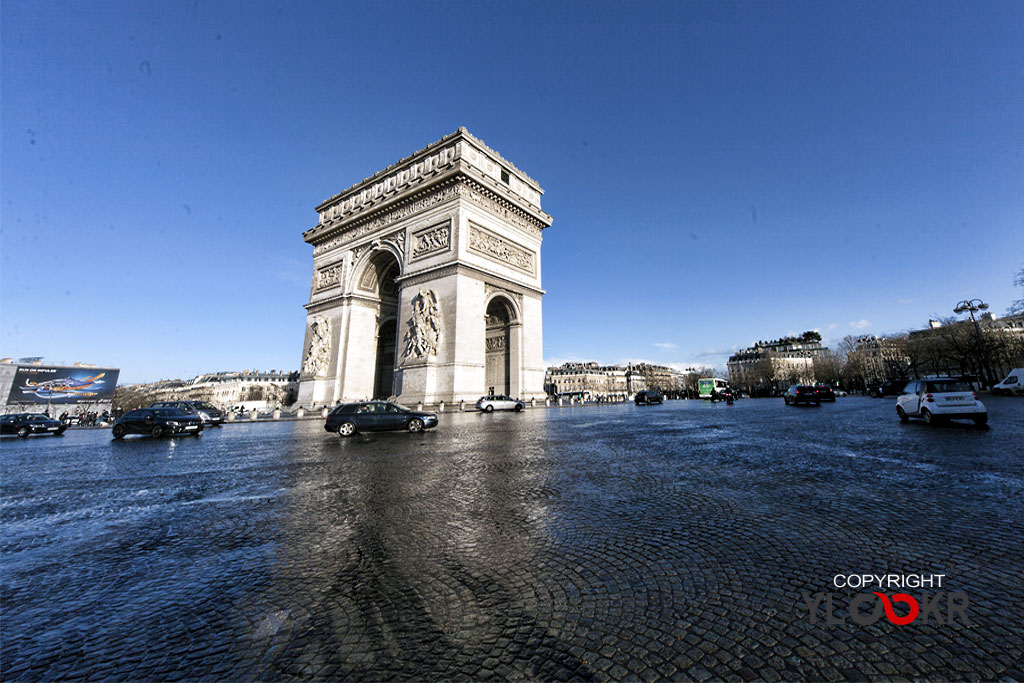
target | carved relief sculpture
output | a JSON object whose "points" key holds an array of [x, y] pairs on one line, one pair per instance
{"points": [[328, 277], [424, 331], [490, 245], [318, 356], [430, 240]]}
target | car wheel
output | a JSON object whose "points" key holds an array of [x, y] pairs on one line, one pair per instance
{"points": [[489, 409], [118, 431], [981, 419], [59, 432], [415, 425], [347, 429], [519, 407], [157, 432], [902, 414], [927, 416], [23, 432], [818, 403], [873, 394]]}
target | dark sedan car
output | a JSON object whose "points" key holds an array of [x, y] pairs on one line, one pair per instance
{"points": [[826, 392], [892, 387], [24, 424], [377, 416], [646, 398], [210, 413], [157, 422], [801, 393]]}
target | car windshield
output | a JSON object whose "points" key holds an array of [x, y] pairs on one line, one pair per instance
{"points": [[948, 386], [204, 405], [166, 412], [401, 408]]}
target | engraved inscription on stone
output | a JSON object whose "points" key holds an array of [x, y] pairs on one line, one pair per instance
{"points": [[498, 248], [429, 240]]}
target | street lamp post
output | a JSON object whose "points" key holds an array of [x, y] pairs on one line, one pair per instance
{"points": [[970, 306]]}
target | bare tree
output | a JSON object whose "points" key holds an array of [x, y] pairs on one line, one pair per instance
{"points": [[1018, 305]]}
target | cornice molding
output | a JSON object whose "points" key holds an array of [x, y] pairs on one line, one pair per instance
{"points": [[338, 233]]}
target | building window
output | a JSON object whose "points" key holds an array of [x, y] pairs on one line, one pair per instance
{"points": [[504, 176]]}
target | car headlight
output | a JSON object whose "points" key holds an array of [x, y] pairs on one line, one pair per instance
{"points": [[172, 424]]}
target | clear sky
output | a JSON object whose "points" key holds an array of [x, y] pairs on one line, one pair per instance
{"points": [[718, 172]]}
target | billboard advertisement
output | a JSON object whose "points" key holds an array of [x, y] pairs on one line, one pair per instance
{"points": [[53, 385]]}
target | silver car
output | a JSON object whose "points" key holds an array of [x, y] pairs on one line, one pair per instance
{"points": [[489, 404]]}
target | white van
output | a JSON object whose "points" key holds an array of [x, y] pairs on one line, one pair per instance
{"points": [[1013, 384]]}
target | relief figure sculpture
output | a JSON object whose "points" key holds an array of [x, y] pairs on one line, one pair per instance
{"points": [[318, 355], [424, 331]]}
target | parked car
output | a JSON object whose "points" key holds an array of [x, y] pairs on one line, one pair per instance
{"points": [[646, 398], [24, 424], [377, 416], [892, 387], [209, 413], [1012, 384], [801, 393], [489, 404], [157, 422], [826, 392], [940, 398]]}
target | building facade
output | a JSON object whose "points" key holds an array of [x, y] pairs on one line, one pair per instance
{"points": [[777, 364], [427, 282]]}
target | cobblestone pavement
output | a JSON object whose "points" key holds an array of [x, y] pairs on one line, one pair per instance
{"points": [[615, 542]]}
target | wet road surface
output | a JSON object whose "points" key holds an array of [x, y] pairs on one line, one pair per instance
{"points": [[613, 542]]}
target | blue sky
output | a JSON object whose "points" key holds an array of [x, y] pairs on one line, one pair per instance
{"points": [[718, 172]]}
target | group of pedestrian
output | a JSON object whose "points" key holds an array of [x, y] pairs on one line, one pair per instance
{"points": [[85, 418]]}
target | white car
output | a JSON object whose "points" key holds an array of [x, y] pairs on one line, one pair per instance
{"points": [[489, 404], [935, 399]]}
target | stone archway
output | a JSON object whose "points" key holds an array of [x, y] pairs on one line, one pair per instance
{"points": [[384, 373], [499, 319], [406, 265], [379, 277]]}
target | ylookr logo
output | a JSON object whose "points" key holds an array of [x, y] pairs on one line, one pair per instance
{"points": [[940, 607]]}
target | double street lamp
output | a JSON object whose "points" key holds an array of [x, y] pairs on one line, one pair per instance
{"points": [[970, 306]]}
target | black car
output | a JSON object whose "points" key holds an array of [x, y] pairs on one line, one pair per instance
{"points": [[826, 392], [646, 398], [801, 393], [157, 422], [377, 416], [892, 387], [24, 424], [210, 414]]}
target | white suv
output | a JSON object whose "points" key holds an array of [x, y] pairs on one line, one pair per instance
{"points": [[940, 398], [489, 404]]}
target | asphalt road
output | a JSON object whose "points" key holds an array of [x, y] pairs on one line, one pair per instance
{"points": [[607, 542]]}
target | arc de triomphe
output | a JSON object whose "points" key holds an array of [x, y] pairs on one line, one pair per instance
{"points": [[426, 282]]}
